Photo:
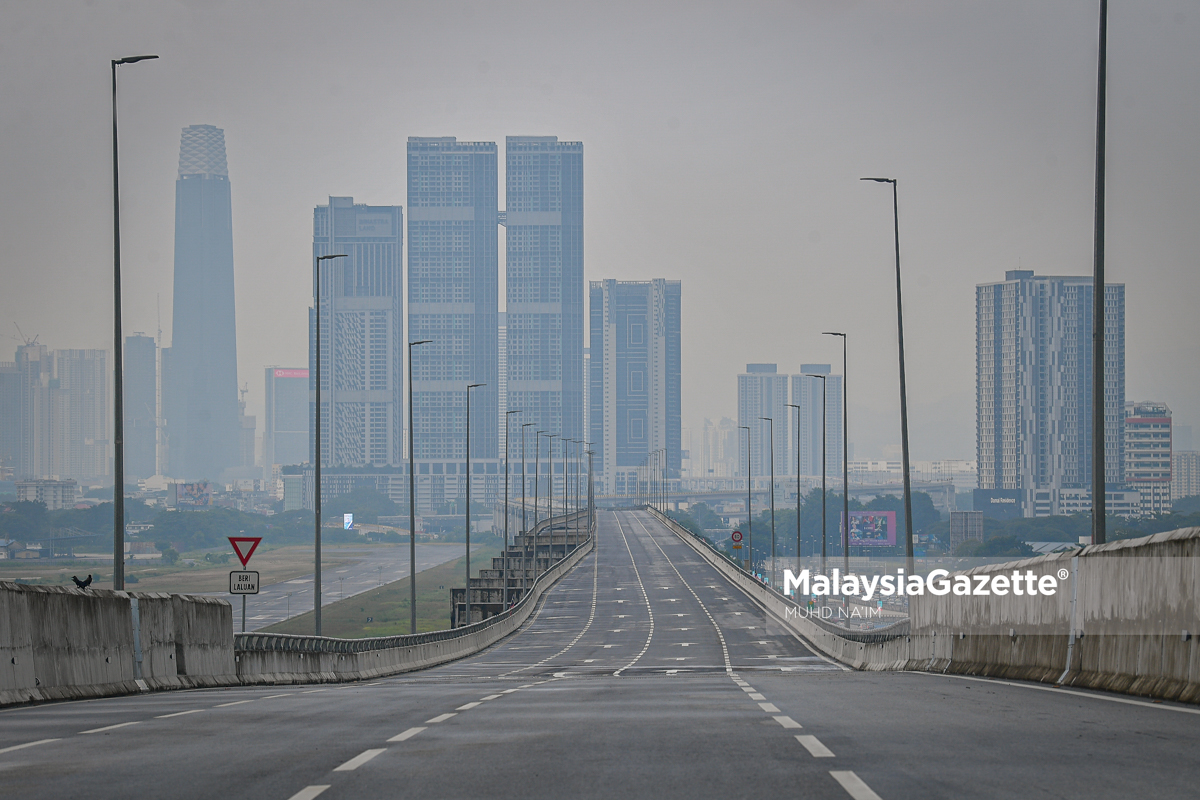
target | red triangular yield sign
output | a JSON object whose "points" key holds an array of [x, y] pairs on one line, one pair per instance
{"points": [[239, 542]]}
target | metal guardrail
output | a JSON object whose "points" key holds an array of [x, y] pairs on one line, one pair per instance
{"points": [[296, 643], [883, 634]]}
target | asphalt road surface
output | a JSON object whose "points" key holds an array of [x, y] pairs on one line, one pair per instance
{"points": [[643, 674], [377, 565]]}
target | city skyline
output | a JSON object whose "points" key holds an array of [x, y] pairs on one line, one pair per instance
{"points": [[999, 184]]}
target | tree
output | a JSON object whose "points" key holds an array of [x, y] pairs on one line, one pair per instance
{"points": [[366, 504]]}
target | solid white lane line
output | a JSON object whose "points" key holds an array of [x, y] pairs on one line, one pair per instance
{"points": [[770, 708], [489, 697], [788, 722], [179, 713], [273, 696], [854, 785], [408, 734], [467, 706], [756, 696], [314, 691], [111, 727], [439, 718], [234, 703], [813, 745], [1127, 701], [308, 792], [646, 597], [27, 744], [359, 760]]}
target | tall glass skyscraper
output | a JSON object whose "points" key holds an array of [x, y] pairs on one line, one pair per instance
{"points": [[544, 286], [362, 333], [200, 393], [1034, 386], [634, 378], [453, 295]]}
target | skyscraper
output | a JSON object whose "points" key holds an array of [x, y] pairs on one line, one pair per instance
{"points": [[806, 393], [287, 437], [544, 287], [453, 294], [763, 392], [141, 406], [1034, 387], [80, 396], [200, 391], [635, 378], [1148, 454], [362, 333]]}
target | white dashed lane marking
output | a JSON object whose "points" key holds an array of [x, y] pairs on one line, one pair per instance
{"points": [[770, 708], [408, 734], [854, 785], [439, 718], [27, 744], [179, 713], [111, 727], [467, 706], [308, 792], [788, 722], [359, 760], [814, 746]]}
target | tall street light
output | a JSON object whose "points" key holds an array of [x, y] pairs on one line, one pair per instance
{"points": [[507, 428], [1098, 449], [908, 525], [845, 459], [824, 427], [524, 525], [771, 434], [749, 508], [412, 497], [793, 405], [118, 368], [318, 450], [537, 467], [467, 591], [550, 437]]}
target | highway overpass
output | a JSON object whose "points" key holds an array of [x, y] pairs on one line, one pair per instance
{"points": [[643, 673]]}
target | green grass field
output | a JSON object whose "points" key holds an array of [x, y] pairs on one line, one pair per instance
{"points": [[388, 605]]}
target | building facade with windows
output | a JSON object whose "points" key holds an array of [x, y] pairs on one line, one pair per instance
{"points": [[141, 406], [362, 334], [635, 372], [1034, 386], [1148, 454], [453, 286], [813, 417], [200, 389], [763, 392]]}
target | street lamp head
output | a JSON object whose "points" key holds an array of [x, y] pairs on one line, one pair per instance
{"points": [[335, 255], [514, 411], [833, 333], [132, 59], [423, 341], [527, 424], [476, 385], [879, 180], [768, 419]]}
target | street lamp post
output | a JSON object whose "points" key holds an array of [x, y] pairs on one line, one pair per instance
{"points": [[845, 459], [118, 368], [467, 591], [318, 452], [505, 561], [908, 523], [823, 429], [771, 434], [524, 524], [793, 405], [412, 498], [550, 437], [1099, 535], [749, 507]]}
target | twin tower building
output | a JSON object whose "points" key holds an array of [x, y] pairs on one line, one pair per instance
{"points": [[530, 357]]}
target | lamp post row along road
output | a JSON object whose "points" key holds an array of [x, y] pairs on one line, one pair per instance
{"points": [[467, 590], [845, 460]]}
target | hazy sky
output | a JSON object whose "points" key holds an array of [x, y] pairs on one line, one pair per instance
{"points": [[723, 146]]}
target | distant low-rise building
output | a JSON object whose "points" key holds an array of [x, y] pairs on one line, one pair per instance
{"points": [[965, 526], [55, 494], [1185, 474]]}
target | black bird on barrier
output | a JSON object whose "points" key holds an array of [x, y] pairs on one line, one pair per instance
{"points": [[84, 583]]}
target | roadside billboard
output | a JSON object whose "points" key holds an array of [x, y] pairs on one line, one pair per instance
{"points": [[193, 495], [872, 528]]}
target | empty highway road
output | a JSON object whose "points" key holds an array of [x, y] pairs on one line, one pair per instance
{"points": [[643, 674]]}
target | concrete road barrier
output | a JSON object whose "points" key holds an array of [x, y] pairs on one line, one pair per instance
{"points": [[1130, 624]]}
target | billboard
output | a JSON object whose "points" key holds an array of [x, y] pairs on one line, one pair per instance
{"points": [[290, 373], [872, 528], [347, 522], [193, 495], [999, 503]]}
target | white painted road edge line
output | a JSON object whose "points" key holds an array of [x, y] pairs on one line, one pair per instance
{"points": [[111, 727], [854, 785], [27, 744], [1093, 695], [234, 703], [308, 792], [439, 718], [408, 734], [813, 745], [788, 722], [179, 713], [359, 760]]}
